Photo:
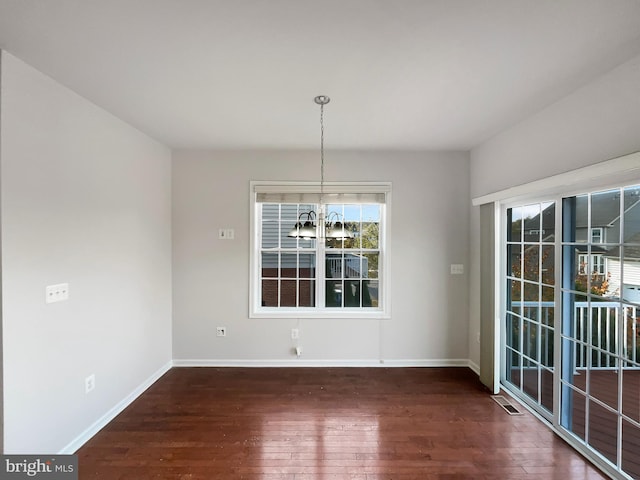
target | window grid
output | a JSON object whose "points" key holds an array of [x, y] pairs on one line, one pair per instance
{"points": [[359, 264], [599, 336], [530, 277]]}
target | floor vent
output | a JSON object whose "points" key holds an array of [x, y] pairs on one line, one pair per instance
{"points": [[504, 403]]}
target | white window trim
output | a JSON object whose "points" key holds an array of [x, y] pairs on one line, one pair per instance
{"points": [[384, 275]]}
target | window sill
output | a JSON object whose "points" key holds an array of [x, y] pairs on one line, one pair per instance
{"points": [[321, 314]]}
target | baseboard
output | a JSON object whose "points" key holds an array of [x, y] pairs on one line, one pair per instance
{"points": [[474, 366], [111, 414], [322, 363]]}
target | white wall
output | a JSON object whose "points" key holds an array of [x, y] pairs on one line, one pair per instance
{"points": [[430, 230], [85, 200], [597, 122]]}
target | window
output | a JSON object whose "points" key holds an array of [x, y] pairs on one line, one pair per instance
{"points": [[319, 277], [596, 235], [597, 266]]}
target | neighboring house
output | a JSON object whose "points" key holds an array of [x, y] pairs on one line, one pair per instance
{"points": [[598, 245]]}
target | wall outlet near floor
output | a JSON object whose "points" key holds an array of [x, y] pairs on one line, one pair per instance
{"points": [[295, 333], [478, 337], [90, 383], [221, 331], [57, 293]]}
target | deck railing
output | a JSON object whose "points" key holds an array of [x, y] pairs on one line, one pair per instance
{"points": [[352, 267], [595, 329]]}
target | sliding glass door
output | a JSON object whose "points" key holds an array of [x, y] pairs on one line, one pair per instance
{"points": [[576, 293]]}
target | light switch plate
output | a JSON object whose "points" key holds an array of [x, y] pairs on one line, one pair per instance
{"points": [[226, 234], [57, 293], [457, 269]]}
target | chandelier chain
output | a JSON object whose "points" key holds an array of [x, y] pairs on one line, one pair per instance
{"points": [[321, 153]]}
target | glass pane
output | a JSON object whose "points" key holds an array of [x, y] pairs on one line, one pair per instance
{"points": [[604, 323], [570, 262], [581, 215], [631, 391], [307, 265], [270, 264], [531, 292], [269, 293], [632, 215], [514, 217], [532, 263], [631, 336], [603, 431], [352, 266], [530, 339], [353, 223], [514, 267], [546, 389], [270, 225], [530, 378], [548, 261], [546, 347], [333, 265], [532, 230], [603, 384], [307, 294], [288, 293], [333, 293], [630, 446], [370, 235], [352, 293], [370, 265], [289, 265], [513, 331], [531, 310], [580, 225], [548, 222], [605, 215], [515, 293], [631, 274], [513, 366], [370, 293], [574, 374], [289, 218], [577, 412], [547, 311]]}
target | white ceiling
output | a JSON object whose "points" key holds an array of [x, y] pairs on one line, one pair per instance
{"points": [[401, 74]]}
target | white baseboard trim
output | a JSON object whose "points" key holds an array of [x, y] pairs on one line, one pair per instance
{"points": [[322, 363], [474, 366], [85, 436]]}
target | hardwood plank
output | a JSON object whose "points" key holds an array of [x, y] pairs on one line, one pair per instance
{"points": [[325, 423]]}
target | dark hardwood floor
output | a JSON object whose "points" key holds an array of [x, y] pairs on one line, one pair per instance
{"points": [[325, 423]]}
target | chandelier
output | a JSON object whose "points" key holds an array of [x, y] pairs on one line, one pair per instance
{"points": [[331, 226]]}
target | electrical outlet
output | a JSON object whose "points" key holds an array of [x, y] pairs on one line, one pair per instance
{"points": [[295, 333], [478, 338], [221, 331], [90, 383], [57, 293]]}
